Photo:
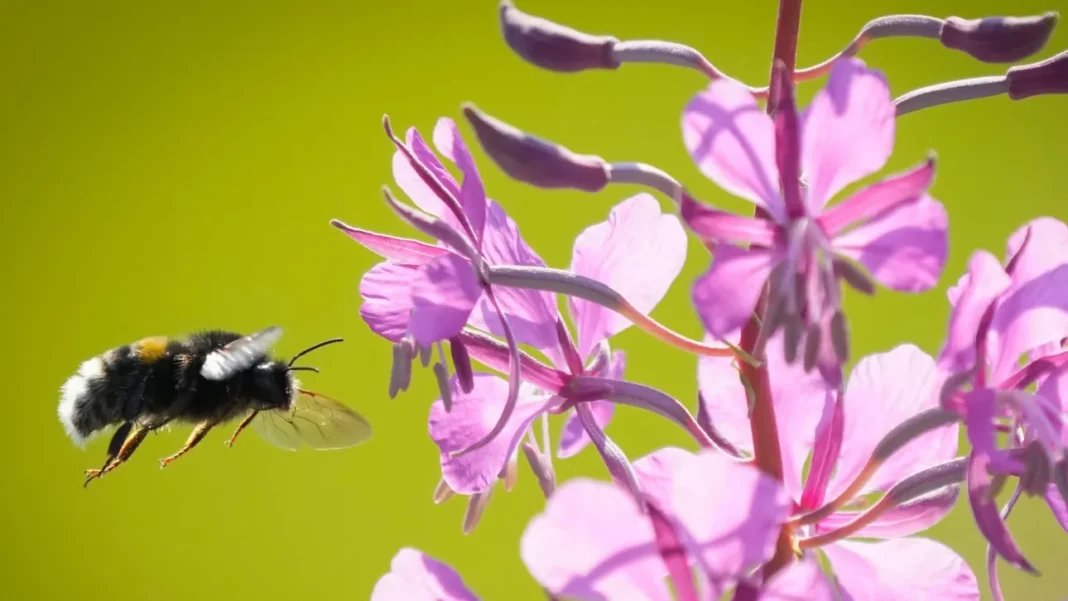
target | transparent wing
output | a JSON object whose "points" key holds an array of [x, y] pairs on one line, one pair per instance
{"points": [[239, 354], [314, 420]]}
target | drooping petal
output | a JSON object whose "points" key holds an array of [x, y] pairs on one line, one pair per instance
{"points": [[573, 437], [1057, 505], [726, 295], [415, 576], [592, 543], [902, 569], [985, 511], [639, 252], [401, 250], [532, 314], [801, 399], [472, 195], [984, 281], [847, 131], [800, 580], [472, 416], [730, 513], [1034, 310], [387, 299], [905, 248], [904, 520], [732, 140], [883, 391], [443, 295]]}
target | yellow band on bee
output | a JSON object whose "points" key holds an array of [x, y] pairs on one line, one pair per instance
{"points": [[151, 349]]}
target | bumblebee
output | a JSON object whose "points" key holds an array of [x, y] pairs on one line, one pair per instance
{"points": [[209, 379]]}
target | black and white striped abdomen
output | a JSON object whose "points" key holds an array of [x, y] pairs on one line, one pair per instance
{"points": [[80, 410]]}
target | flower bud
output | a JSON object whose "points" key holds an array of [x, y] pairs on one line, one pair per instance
{"points": [[535, 161], [552, 46], [998, 39], [1046, 77]]}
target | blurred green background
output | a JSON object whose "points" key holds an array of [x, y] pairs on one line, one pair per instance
{"points": [[168, 167]]}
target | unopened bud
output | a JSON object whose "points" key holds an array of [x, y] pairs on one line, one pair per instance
{"points": [[534, 161], [461, 362], [998, 39], [1046, 77], [553, 46]]}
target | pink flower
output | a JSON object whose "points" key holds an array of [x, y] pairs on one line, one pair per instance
{"points": [[893, 228], [883, 390], [639, 252], [415, 576]]}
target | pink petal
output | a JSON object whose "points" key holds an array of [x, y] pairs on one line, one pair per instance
{"points": [[905, 249], [883, 391], [473, 415], [902, 569], [387, 300], [726, 295], [987, 517], [847, 131], [531, 313], [639, 252], [800, 580], [986, 280], [402, 250], [878, 198], [656, 472], [443, 295], [413, 185], [732, 141], [573, 437], [713, 225], [801, 402], [1034, 310], [1056, 505], [900, 521], [415, 576], [731, 514], [1047, 416], [592, 543], [472, 196]]}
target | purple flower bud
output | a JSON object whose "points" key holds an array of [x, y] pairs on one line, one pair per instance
{"points": [[461, 362], [552, 46], [535, 161], [998, 39], [1046, 77]]}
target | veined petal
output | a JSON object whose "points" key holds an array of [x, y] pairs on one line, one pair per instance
{"points": [[415, 576], [904, 520], [639, 252], [800, 580], [902, 569], [401, 250], [472, 416], [443, 295], [1034, 310], [904, 248], [730, 515], [986, 280], [726, 228], [726, 295], [472, 194], [871, 202], [531, 313], [883, 391], [847, 131], [733, 143], [573, 437], [802, 400], [387, 300], [593, 543], [656, 472]]}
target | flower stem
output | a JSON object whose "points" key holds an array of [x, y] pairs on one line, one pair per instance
{"points": [[766, 450]]}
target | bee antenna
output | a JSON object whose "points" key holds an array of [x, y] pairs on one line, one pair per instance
{"points": [[312, 348], [303, 368]]}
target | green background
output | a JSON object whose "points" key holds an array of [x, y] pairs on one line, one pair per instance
{"points": [[168, 167]]}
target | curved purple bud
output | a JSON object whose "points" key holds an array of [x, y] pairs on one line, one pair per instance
{"points": [[1045, 77], [998, 39], [553, 46]]}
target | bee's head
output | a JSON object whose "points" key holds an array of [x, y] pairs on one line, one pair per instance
{"points": [[272, 386]]}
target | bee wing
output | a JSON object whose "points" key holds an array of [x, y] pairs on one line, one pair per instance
{"points": [[239, 354], [314, 420]]}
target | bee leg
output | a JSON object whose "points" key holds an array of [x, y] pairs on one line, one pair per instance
{"points": [[245, 422], [137, 434], [198, 434]]}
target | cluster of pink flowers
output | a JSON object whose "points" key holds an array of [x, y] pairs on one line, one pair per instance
{"points": [[739, 515]]}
